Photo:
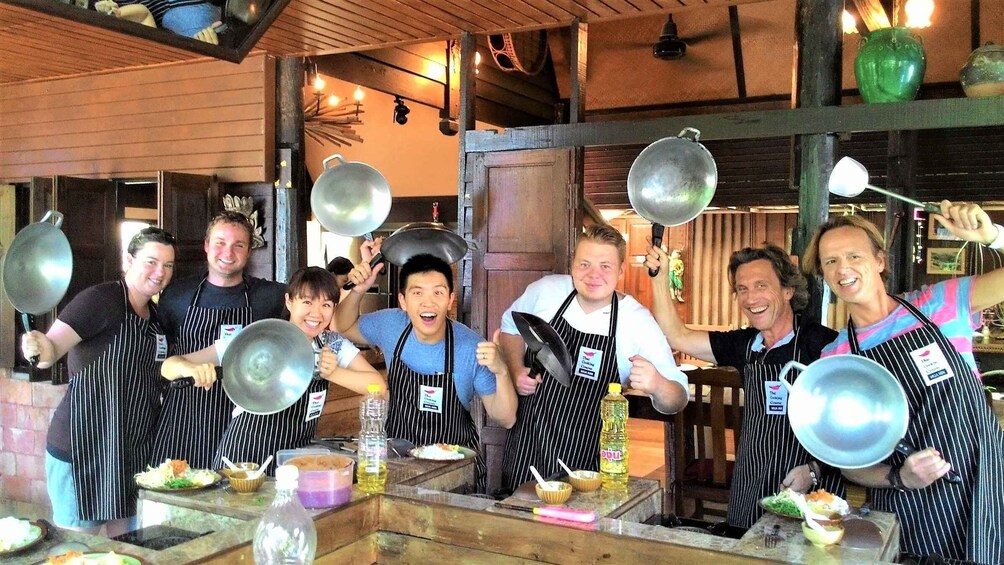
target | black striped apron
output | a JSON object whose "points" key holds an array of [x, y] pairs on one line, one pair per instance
{"points": [[767, 448], [961, 521], [562, 422], [114, 403], [408, 420], [193, 419], [253, 437]]}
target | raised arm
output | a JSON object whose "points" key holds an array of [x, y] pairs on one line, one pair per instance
{"points": [[346, 318], [695, 343], [971, 223]]}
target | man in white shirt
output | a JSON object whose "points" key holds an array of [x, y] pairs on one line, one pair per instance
{"points": [[611, 339]]}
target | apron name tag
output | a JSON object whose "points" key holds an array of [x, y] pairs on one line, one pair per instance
{"points": [[932, 364], [430, 399], [589, 363], [776, 398], [161, 347], [315, 405], [229, 330]]}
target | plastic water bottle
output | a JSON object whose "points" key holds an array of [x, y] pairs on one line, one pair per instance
{"points": [[371, 472], [286, 533], [614, 439]]}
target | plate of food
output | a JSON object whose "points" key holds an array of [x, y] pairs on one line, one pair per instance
{"points": [[91, 558], [18, 535], [174, 475], [442, 452], [819, 501]]}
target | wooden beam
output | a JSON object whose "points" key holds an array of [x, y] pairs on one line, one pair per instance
{"points": [[918, 114], [370, 73], [872, 14], [737, 52]]}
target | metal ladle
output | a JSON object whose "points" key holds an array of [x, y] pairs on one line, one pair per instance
{"points": [[849, 178]]}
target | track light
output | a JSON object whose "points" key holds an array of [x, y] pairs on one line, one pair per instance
{"points": [[400, 111]]}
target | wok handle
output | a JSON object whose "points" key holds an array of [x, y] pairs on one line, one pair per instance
{"points": [[787, 369], [376, 260], [28, 324], [907, 449], [183, 382], [657, 231]]}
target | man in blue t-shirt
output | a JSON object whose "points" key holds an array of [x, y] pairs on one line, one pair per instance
{"points": [[435, 365]]}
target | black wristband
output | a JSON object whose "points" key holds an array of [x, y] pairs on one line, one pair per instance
{"points": [[895, 480]]}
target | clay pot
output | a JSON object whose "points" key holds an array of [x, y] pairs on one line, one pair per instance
{"points": [[983, 74]]}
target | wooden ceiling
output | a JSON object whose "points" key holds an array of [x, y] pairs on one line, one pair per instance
{"points": [[39, 45]]}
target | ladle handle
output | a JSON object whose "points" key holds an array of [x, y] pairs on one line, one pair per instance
{"points": [[907, 449], [927, 207], [657, 231], [28, 324], [376, 260]]}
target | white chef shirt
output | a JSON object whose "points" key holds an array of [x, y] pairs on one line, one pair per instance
{"points": [[637, 331]]}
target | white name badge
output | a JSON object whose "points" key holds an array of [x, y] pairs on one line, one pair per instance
{"points": [[932, 364], [315, 404], [229, 330], [777, 398], [588, 364], [430, 399], [161, 347]]}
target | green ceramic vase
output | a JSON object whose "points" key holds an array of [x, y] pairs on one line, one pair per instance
{"points": [[890, 66]]}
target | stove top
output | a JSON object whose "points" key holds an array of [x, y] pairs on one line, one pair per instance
{"points": [[158, 537]]}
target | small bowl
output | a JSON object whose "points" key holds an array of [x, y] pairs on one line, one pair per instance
{"points": [[555, 496], [244, 466], [240, 482], [585, 481], [832, 535]]}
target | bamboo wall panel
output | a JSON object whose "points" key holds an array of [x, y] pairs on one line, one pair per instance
{"points": [[207, 117]]}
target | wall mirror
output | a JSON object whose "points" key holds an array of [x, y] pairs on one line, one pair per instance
{"points": [[244, 21]]}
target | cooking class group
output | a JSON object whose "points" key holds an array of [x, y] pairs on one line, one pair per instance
{"points": [[164, 370]]}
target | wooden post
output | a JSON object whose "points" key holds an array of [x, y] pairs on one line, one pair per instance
{"points": [[817, 83], [577, 97], [465, 122], [291, 193], [900, 229]]}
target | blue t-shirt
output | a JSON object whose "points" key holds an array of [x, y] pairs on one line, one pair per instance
{"points": [[384, 328]]}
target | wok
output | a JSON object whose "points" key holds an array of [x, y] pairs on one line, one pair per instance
{"points": [[548, 349], [420, 237], [848, 411], [671, 182], [266, 368], [350, 198], [37, 269]]}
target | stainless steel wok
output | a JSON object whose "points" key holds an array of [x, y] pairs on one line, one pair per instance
{"points": [[848, 411], [37, 268], [672, 181], [266, 368], [350, 198]]}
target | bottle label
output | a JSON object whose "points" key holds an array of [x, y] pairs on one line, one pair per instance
{"points": [[589, 363], [611, 454], [430, 399], [315, 405]]}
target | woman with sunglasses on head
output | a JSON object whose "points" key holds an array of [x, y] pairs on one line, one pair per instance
{"points": [[99, 435], [311, 297]]}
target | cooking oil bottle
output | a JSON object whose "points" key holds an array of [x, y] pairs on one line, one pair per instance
{"points": [[614, 439], [371, 470]]}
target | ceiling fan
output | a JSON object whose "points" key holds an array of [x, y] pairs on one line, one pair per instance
{"points": [[669, 46]]}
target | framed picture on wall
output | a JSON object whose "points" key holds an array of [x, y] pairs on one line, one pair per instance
{"points": [[937, 231], [946, 260]]}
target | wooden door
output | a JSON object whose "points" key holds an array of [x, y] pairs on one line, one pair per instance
{"points": [[521, 209], [8, 228], [88, 207], [185, 204]]}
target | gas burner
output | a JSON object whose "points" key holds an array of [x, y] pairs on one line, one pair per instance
{"points": [[158, 537]]}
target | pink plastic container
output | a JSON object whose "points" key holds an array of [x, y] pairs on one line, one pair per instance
{"points": [[325, 480]]}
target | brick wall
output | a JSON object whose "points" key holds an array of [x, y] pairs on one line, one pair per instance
{"points": [[25, 411]]}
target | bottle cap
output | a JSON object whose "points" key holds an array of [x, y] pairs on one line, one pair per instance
{"points": [[373, 388], [614, 388], [287, 476]]}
